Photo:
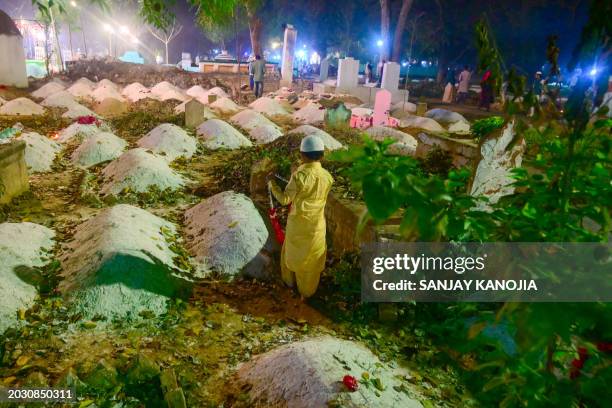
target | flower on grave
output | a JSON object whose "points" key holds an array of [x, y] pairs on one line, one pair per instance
{"points": [[350, 383]]}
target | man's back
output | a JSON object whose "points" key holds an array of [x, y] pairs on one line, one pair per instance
{"points": [[259, 69]]}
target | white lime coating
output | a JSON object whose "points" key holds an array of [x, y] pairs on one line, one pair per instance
{"points": [[169, 141], [78, 110], [198, 93], [360, 111], [138, 170], [311, 113], [224, 233], [406, 144], [225, 105], [218, 91], [23, 246], [62, 99], [119, 263], [445, 116], [107, 89], [309, 373], [218, 134], [328, 140], [164, 91], [82, 89], [462, 128], [48, 89], [268, 106], [21, 107], [136, 91], [420, 122], [80, 132], [404, 107], [98, 148], [40, 152], [107, 83], [493, 177], [261, 129]]}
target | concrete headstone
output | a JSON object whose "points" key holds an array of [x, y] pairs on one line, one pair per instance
{"points": [[348, 73], [382, 105], [195, 113], [391, 76], [324, 70]]}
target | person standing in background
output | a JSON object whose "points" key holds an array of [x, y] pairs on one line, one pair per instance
{"points": [[449, 89], [464, 84], [259, 70]]}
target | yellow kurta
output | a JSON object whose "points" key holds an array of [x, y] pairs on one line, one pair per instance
{"points": [[304, 249]]}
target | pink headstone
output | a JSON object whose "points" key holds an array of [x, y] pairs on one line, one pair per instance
{"points": [[382, 106]]}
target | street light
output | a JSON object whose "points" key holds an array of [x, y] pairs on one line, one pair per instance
{"points": [[379, 43], [275, 45], [109, 29], [73, 3]]}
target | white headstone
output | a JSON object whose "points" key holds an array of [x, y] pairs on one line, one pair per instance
{"points": [[391, 76], [288, 49], [348, 73], [323, 70]]}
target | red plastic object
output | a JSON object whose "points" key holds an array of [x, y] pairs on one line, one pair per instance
{"points": [[276, 226], [87, 120], [350, 383]]}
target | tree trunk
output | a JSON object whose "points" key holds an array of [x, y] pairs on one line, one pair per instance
{"points": [[442, 66], [399, 30], [254, 28], [167, 53], [255, 32], [384, 29]]}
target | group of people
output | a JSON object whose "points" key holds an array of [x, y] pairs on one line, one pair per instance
{"points": [[458, 86], [370, 75], [257, 71]]}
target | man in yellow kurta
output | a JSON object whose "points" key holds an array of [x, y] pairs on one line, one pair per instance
{"points": [[304, 249]]}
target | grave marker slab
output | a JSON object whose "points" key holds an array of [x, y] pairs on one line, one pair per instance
{"points": [[195, 114], [391, 76]]}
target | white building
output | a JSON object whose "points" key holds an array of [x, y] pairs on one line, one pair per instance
{"points": [[12, 57]]}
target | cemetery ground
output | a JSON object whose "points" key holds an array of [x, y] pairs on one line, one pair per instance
{"points": [[70, 333]]}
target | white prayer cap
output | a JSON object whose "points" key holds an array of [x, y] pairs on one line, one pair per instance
{"points": [[312, 143], [539, 73]]}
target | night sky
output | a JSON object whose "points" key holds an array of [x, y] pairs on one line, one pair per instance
{"points": [[520, 26]]}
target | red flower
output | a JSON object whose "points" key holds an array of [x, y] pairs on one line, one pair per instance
{"points": [[87, 120], [350, 383], [604, 347], [578, 364]]}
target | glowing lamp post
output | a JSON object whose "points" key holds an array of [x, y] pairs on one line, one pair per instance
{"points": [[109, 29]]}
